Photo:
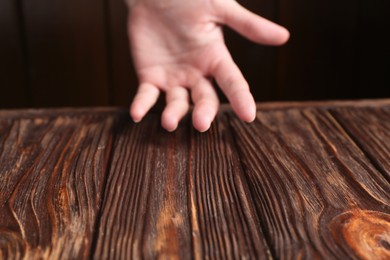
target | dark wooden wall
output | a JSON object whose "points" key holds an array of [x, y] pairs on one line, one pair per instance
{"points": [[75, 53]]}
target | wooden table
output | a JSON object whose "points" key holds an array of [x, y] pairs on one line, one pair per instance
{"points": [[304, 180]]}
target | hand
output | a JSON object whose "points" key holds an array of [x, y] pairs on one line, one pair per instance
{"points": [[178, 46]]}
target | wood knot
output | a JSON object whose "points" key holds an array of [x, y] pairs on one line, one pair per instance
{"points": [[366, 232]]}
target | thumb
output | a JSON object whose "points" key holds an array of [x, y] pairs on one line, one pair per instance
{"points": [[250, 25]]}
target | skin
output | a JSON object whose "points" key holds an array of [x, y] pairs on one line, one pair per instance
{"points": [[178, 47]]}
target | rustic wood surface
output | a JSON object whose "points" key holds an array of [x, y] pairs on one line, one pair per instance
{"points": [[305, 180], [52, 173]]}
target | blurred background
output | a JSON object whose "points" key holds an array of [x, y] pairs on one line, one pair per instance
{"points": [[75, 53]]}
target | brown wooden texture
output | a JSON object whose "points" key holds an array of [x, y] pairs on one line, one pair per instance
{"points": [[224, 222], [302, 181], [370, 129], [13, 81], [51, 178], [145, 207], [176, 206], [313, 183]]}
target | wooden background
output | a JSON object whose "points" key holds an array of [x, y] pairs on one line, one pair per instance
{"points": [[75, 53]]}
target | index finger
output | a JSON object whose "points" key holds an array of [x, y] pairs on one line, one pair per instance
{"points": [[235, 87]]}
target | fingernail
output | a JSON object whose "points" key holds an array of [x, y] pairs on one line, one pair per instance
{"points": [[136, 120]]}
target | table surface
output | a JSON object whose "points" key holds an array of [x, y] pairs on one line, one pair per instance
{"points": [[304, 180]]}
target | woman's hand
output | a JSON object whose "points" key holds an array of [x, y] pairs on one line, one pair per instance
{"points": [[178, 46]]}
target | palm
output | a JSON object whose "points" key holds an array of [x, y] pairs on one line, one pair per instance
{"points": [[176, 50]]}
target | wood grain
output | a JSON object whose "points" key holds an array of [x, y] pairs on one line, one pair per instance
{"points": [[51, 178], [145, 211], [224, 221], [182, 197], [370, 130], [302, 181], [306, 175]]}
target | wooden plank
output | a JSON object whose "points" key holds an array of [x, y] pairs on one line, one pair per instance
{"points": [[319, 104], [168, 196], [51, 179], [315, 190], [66, 44], [63, 111], [12, 64], [124, 80], [295, 183], [370, 130], [145, 212], [223, 218], [11, 113], [327, 104]]}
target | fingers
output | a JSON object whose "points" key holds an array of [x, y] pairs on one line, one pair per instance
{"points": [[252, 26], [206, 105], [145, 98], [176, 108], [235, 87]]}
